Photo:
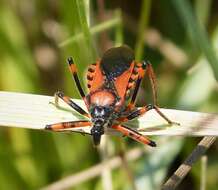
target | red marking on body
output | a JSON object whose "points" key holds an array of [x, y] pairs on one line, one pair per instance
{"points": [[102, 98], [98, 78], [121, 81]]}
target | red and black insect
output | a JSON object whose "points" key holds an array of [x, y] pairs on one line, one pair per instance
{"points": [[113, 84]]}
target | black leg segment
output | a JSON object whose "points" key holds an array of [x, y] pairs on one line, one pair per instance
{"points": [[72, 104], [73, 70]]}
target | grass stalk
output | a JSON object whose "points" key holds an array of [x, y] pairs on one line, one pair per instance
{"points": [[196, 33], [119, 30], [85, 28], [184, 168], [143, 23], [203, 172], [93, 30]]}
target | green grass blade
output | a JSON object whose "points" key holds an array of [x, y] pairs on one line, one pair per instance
{"points": [[196, 33], [144, 18], [93, 30], [203, 9], [85, 28], [119, 29]]}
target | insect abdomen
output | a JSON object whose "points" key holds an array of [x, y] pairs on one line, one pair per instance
{"points": [[117, 60]]}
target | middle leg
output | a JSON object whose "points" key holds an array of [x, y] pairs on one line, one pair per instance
{"points": [[142, 111], [144, 68]]}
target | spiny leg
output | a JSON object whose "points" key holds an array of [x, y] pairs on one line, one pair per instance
{"points": [[131, 105], [68, 101], [143, 68], [67, 125], [73, 70], [126, 131], [140, 70]]}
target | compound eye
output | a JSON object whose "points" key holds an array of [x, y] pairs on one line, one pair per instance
{"points": [[99, 110]]}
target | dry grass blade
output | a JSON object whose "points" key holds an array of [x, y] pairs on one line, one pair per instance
{"points": [[183, 169], [128, 171], [203, 172], [35, 111]]}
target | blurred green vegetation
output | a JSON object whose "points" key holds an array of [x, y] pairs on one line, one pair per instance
{"points": [[36, 37]]}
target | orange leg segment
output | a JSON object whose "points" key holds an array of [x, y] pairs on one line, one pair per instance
{"points": [[144, 68], [67, 125], [134, 135], [141, 67]]}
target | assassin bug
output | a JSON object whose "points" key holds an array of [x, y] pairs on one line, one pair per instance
{"points": [[113, 84]]}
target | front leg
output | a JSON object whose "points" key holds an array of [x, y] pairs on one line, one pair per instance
{"points": [[67, 125]]}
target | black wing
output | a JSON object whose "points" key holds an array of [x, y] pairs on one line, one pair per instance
{"points": [[116, 60]]}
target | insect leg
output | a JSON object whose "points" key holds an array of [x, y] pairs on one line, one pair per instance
{"points": [[164, 116], [73, 70], [141, 73], [142, 111], [72, 104], [67, 125], [151, 75], [152, 78], [135, 113], [134, 135], [144, 68]]}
